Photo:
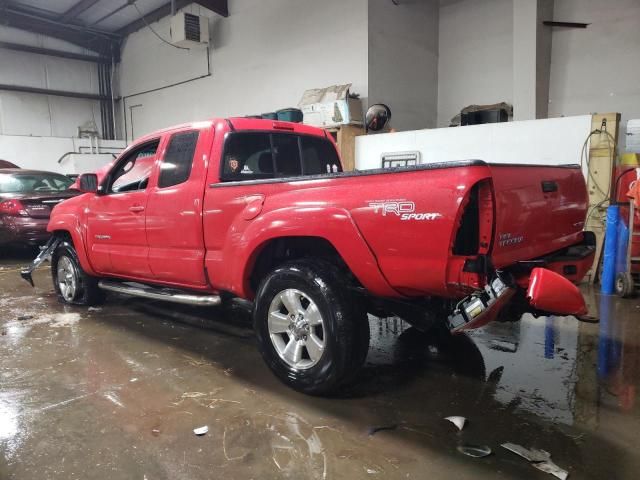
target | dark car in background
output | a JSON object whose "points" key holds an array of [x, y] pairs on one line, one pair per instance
{"points": [[26, 200], [7, 164]]}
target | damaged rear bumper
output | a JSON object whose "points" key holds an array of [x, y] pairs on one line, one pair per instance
{"points": [[548, 293], [544, 286]]}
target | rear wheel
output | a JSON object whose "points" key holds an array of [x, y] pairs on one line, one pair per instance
{"points": [[312, 330], [71, 283]]}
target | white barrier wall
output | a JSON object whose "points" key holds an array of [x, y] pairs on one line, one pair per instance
{"points": [[554, 141], [43, 153]]}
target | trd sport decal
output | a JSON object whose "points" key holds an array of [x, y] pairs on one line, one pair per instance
{"points": [[404, 209]]}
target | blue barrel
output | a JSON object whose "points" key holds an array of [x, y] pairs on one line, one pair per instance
{"points": [[608, 280]]}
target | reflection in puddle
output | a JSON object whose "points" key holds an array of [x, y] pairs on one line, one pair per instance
{"points": [[538, 368], [120, 390]]}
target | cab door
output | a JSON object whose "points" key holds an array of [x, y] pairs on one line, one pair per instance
{"points": [[116, 218], [174, 209]]}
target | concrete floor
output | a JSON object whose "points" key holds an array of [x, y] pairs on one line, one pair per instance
{"points": [[115, 393]]}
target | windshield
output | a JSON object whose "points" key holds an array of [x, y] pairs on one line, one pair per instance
{"points": [[33, 182]]}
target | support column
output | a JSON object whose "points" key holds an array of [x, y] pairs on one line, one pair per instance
{"points": [[531, 58]]}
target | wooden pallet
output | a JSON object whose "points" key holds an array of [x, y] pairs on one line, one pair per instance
{"points": [[345, 137]]}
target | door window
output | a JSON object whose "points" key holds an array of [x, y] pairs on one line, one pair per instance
{"points": [[176, 165], [133, 171]]}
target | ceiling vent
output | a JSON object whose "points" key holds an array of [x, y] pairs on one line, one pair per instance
{"points": [[188, 30]]}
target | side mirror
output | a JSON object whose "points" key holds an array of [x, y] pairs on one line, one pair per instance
{"points": [[88, 183]]}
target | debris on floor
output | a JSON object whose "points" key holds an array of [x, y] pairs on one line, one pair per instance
{"points": [[374, 430], [201, 430], [539, 459], [459, 422], [475, 451]]}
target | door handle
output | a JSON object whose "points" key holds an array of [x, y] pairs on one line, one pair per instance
{"points": [[136, 209]]}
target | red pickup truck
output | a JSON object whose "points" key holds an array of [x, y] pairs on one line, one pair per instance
{"points": [[261, 210]]}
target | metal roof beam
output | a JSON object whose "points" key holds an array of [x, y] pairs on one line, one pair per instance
{"points": [[58, 93], [95, 40], [77, 9], [54, 53]]}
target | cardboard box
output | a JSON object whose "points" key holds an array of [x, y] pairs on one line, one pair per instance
{"points": [[330, 107]]}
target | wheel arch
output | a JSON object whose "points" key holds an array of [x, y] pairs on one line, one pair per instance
{"points": [[278, 250], [332, 229], [68, 225]]}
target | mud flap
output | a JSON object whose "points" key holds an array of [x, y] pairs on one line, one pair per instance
{"points": [[44, 254], [552, 293]]}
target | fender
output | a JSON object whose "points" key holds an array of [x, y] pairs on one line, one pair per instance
{"points": [[70, 223], [332, 224]]}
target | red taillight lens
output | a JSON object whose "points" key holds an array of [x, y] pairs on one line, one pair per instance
{"points": [[475, 228], [13, 207]]}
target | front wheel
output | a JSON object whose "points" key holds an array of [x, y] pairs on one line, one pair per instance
{"points": [[312, 330], [71, 283]]}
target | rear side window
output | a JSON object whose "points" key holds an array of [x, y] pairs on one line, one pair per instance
{"points": [[262, 155], [178, 159], [287, 154], [319, 156], [247, 156]]}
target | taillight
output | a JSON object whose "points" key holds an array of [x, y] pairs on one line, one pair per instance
{"points": [[475, 229], [13, 207]]}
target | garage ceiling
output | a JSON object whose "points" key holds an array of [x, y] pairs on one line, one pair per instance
{"points": [[98, 25]]}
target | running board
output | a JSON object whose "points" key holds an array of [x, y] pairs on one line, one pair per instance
{"points": [[156, 293]]}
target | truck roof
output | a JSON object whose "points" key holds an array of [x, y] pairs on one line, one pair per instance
{"points": [[241, 123]]}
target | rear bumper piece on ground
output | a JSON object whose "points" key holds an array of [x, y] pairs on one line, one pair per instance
{"points": [[45, 254], [551, 292]]}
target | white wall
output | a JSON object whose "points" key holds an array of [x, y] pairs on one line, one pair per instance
{"points": [[36, 114], [43, 153], [263, 57], [596, 69], [552, 141], [403, 60], [591, 70], [475, 64]]}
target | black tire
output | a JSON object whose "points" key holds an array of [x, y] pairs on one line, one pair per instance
{"points": [[85, 291], [344, 327], [624, 285]]}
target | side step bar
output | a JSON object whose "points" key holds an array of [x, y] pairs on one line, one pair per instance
{"points": [[168, 295]]}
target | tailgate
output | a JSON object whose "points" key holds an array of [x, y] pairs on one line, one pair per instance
{"points": [[539, 210]]}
